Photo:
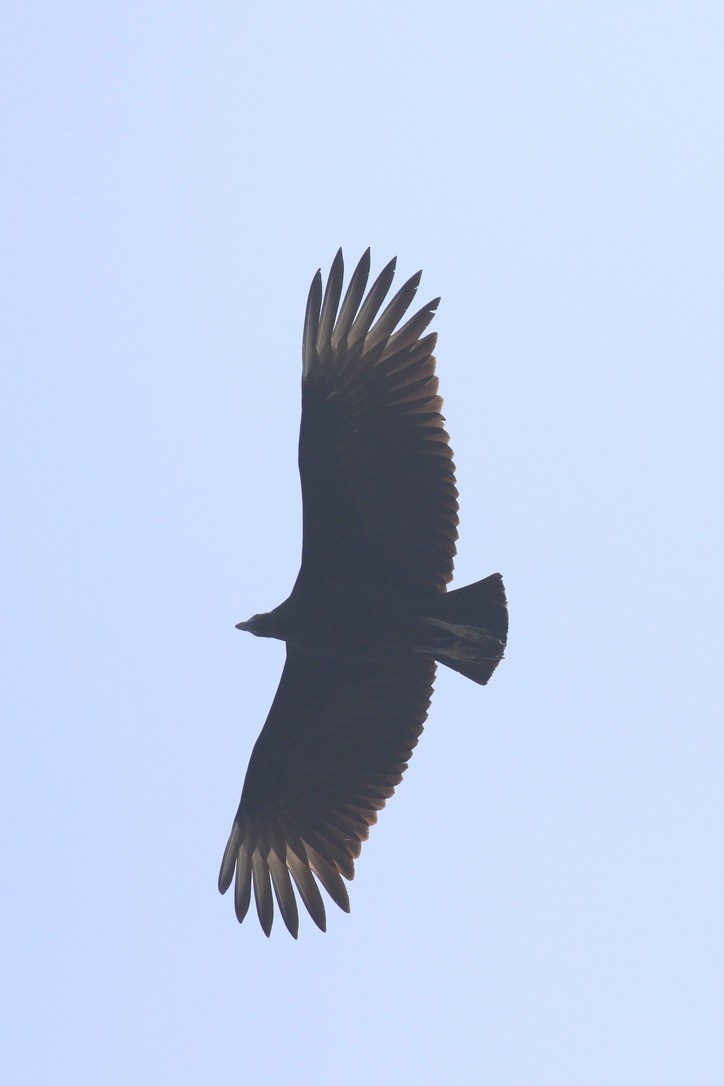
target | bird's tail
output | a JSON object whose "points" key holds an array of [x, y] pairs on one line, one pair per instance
{"points": [[468, 629]]}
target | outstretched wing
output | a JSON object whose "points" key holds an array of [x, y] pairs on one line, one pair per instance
{"points": [[378, 481], [335, 744]]}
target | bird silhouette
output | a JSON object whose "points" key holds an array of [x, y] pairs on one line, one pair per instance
{"points": [[369, 615]]}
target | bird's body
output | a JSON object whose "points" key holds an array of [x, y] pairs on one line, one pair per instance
{"points": [[369, 614], [337, 618]]}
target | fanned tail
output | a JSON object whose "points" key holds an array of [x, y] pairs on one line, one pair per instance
{"points": [[468, 629]]}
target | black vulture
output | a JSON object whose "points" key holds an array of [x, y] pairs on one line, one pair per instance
{"points": [[369, 615]]}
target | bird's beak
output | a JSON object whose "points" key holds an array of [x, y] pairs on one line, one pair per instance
{"points": [[242, 626]]}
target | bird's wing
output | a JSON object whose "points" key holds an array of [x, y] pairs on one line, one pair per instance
{"points": [[335, 744], [378, 481]]}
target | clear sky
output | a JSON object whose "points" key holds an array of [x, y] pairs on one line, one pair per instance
{"points": [[541, 903]]}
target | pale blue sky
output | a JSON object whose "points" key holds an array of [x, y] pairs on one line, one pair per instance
{"points": [[541, 903]]}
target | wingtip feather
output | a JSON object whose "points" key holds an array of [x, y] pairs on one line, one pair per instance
{"points": [[262, 892], [311, 324], [242, 884], [330, 303], [228, 862]]}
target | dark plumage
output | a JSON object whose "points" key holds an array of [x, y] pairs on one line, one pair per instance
{"points": [[369, 614]]}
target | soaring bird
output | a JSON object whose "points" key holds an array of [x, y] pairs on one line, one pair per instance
{"points": [[369, 615]]}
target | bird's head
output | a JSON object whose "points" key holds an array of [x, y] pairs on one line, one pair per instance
{"points": [[260, 625]]}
